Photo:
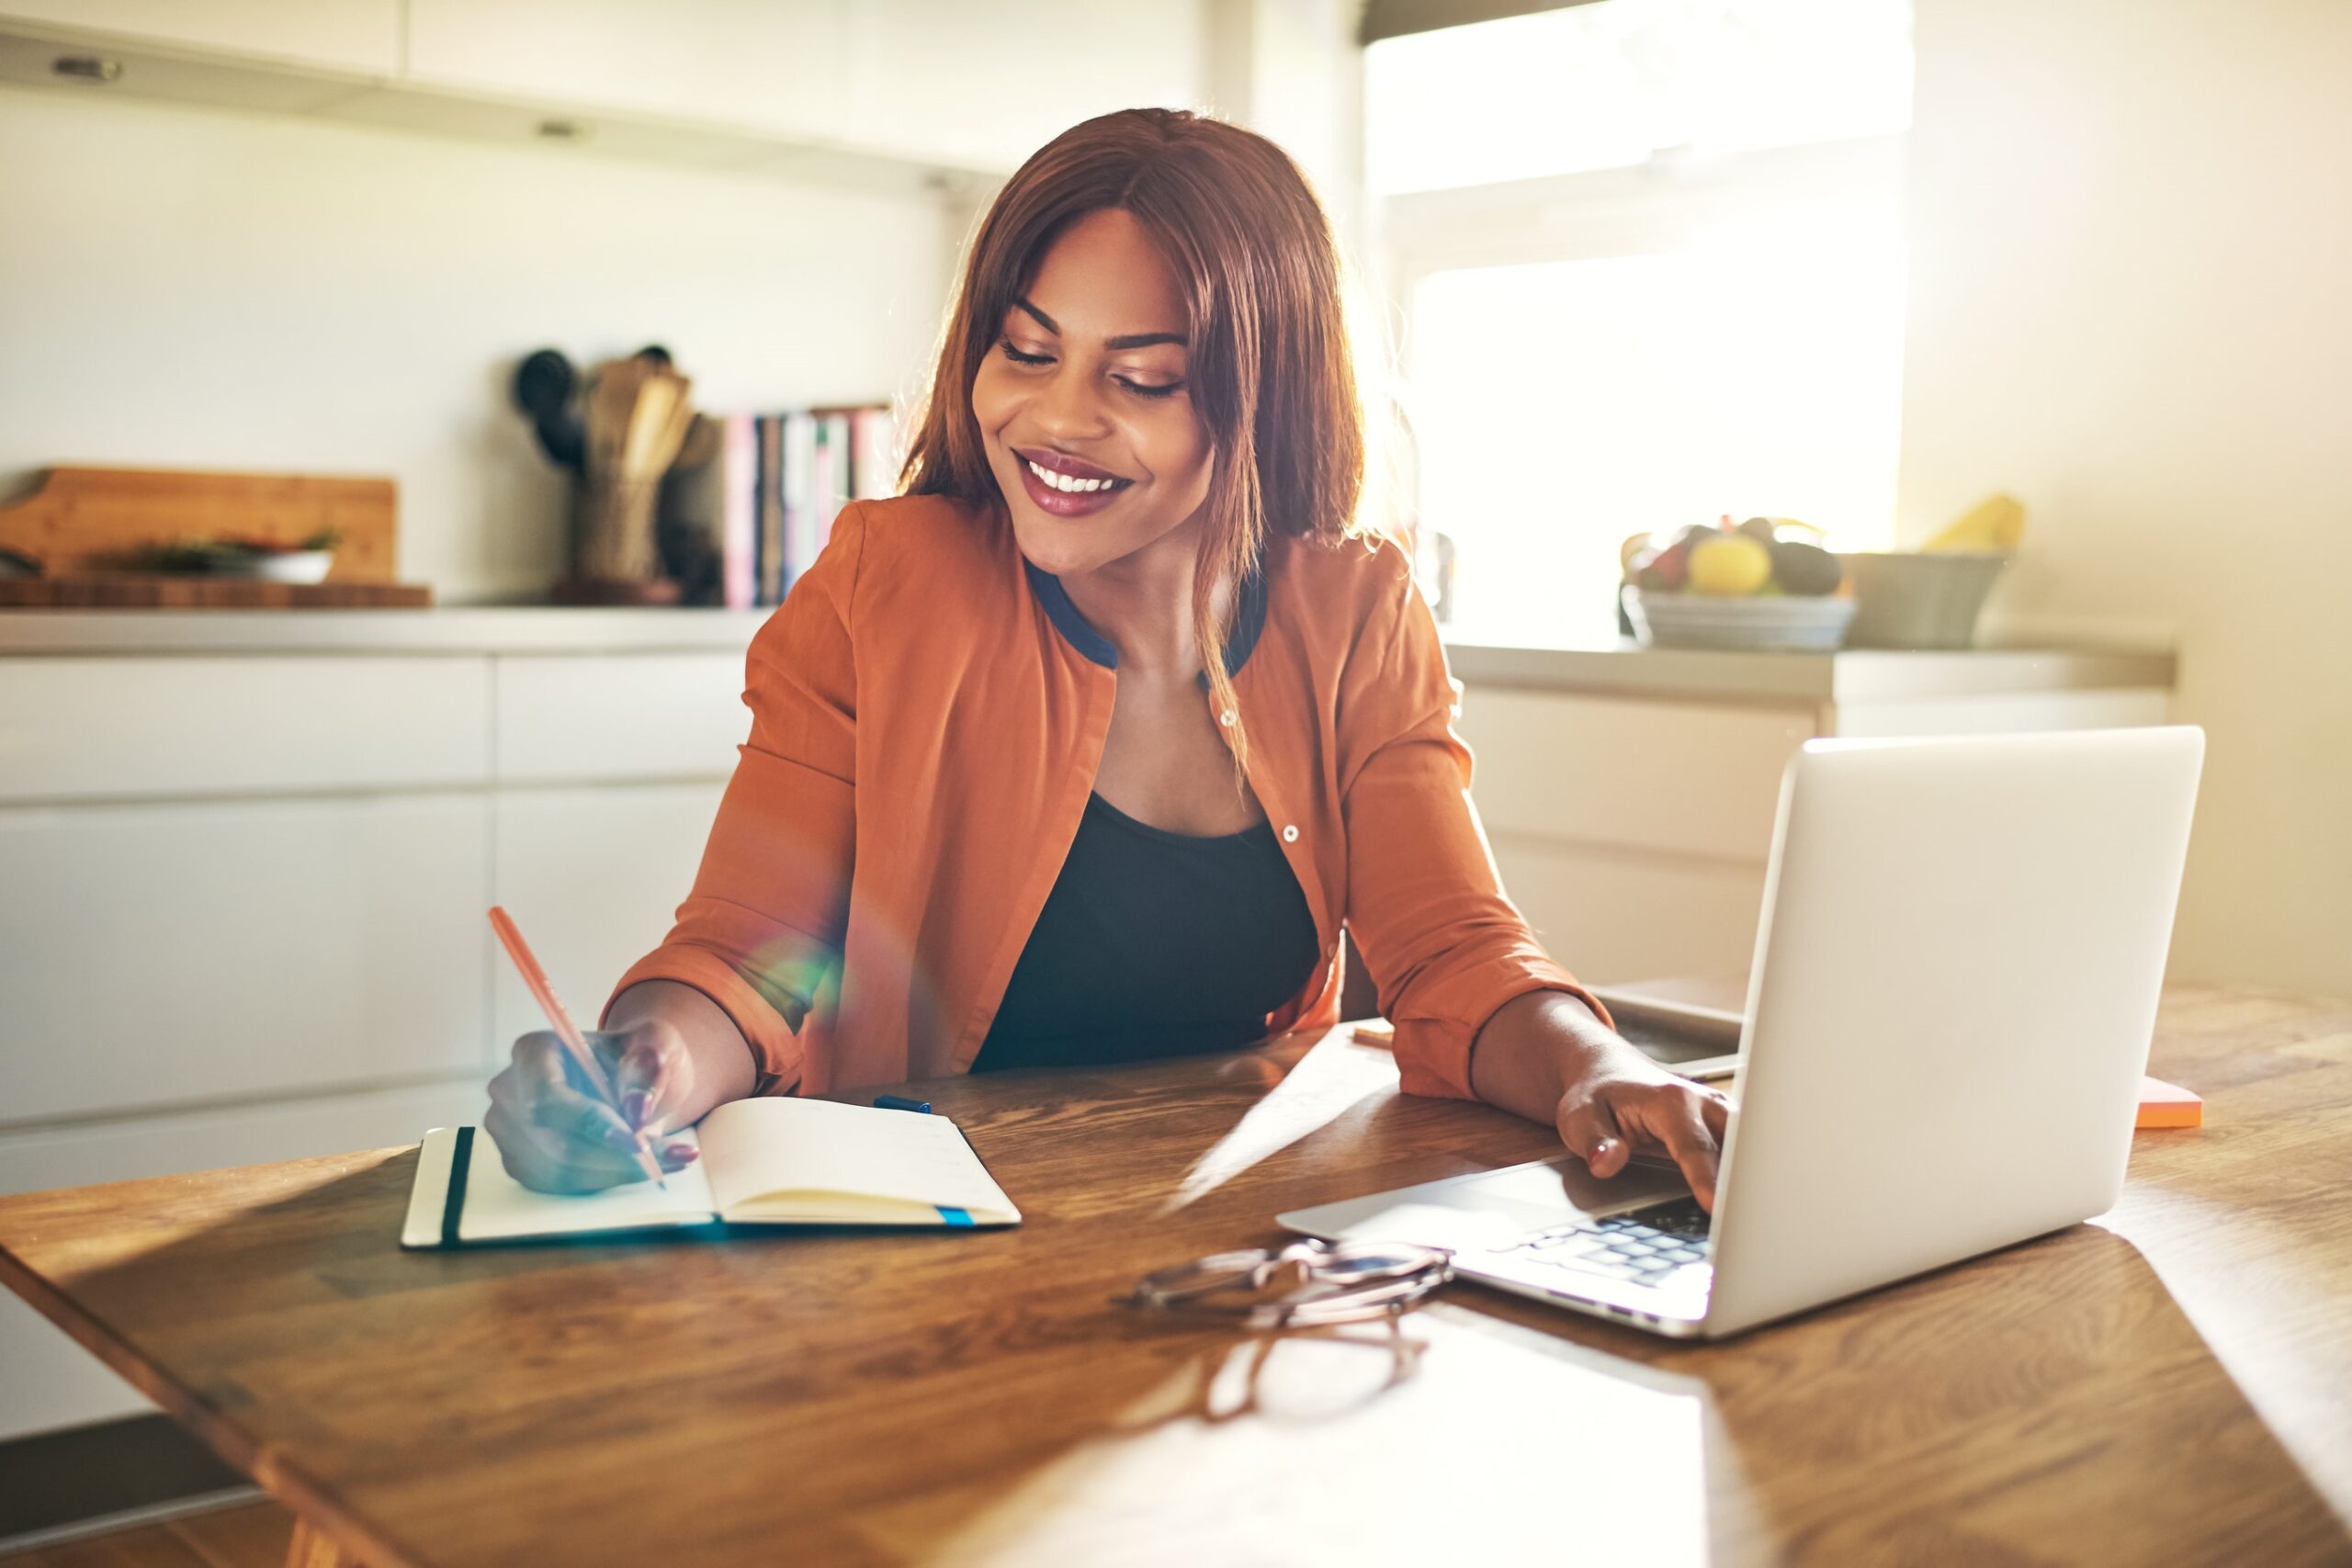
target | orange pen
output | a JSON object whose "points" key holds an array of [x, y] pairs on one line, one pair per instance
{"points": [[569, 1033]]}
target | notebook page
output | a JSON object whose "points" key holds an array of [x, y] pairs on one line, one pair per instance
{"points": [[499, 1208], [757, 1147]]}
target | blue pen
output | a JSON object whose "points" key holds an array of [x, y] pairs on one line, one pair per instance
{"points": [[901, 1102]]}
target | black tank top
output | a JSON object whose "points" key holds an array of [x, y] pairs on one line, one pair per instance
{"points": [[1154, 943]]}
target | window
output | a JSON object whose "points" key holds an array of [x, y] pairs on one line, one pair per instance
{"points": [[1648, 259]]}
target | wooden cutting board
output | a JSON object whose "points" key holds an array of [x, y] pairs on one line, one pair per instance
{"points": [[84, 520], [133, 590]]}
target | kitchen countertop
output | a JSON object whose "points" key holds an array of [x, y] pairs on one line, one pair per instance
{"points": [[476, 629], [1851, 675]]}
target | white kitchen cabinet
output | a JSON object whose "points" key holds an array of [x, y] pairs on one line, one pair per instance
{"points": [[992, 84], [772, 66], [594, 876], [130, 1148], [1612, 915], [1633, 832], [121, 728], [51, 1381], [186, 952], [906, 97], [241, 893], [2001, 712], [583, 718], [970, 85], [360, 36], [1686, 779]]}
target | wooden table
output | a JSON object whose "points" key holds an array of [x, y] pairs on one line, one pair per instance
{"points": [[2172, 1384]]}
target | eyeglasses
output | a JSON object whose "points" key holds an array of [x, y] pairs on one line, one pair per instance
{"points": [[1307, 1282]]}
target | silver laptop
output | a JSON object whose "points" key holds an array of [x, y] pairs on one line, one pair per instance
{"points": [[1953, 992]]}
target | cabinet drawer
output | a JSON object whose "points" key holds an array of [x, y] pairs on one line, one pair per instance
{"points": [[651, 716], [1612, 916], [133, 1148], [163, 953], [2005, 713], [1684, 778], [115, 728], [591, 916], [51, 1381]]}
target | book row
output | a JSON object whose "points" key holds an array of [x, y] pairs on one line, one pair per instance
{"points": [[785, 477]]}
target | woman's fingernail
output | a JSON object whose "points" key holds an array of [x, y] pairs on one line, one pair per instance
{"points": [[684, 1154], [1601, 1150], [618, 1137], [634, 1107]]}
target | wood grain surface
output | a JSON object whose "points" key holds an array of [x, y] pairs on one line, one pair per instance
{"points": [[149, 591], [2165, 1386], [82, 519]]}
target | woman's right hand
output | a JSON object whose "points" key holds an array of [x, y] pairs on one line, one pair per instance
{"points": [[556, 1136]]}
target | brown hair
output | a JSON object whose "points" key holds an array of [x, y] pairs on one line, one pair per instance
{"points": [[1269, 362]]}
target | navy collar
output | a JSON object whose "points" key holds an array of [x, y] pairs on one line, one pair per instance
{"points": [[1249, 620]]}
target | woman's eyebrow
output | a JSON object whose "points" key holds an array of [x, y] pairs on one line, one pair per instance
{"points": [[1133, 340]]}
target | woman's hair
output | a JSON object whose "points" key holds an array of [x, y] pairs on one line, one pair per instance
{"points": [[1269, 369]]}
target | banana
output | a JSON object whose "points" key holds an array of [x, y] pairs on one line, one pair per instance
{"points": [[1995, 522]]}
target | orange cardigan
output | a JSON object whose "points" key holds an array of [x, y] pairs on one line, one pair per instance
{"points": [[928, 714]]}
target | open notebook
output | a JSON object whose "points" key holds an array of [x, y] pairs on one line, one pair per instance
{"points": [[764, 1162]]}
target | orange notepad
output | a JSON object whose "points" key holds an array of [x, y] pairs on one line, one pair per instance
{"points": [[2164, 1104]]}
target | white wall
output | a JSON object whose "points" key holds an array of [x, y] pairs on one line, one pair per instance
{"points": [[2132, 236], [210, 289], [1290, 69]]}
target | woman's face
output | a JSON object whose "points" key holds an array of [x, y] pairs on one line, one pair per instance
{"points": [[1087, 380]]}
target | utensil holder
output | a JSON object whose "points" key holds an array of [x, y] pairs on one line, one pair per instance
{"points": [[613, 539]]}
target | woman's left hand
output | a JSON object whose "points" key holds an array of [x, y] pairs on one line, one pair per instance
{"points": [[1624, 1104], [1545, 1052]]}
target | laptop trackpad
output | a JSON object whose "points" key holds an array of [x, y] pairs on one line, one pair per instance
{"points": [[1491, 1209]]}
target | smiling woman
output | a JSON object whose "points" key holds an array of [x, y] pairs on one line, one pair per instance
{"points": [[1167, 284], [1088, 747]]}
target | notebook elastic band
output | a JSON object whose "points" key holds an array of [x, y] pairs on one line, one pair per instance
{"points": [[453, 1207]]}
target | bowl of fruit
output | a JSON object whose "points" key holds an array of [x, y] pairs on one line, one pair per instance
{"points": [[1764, 583]]}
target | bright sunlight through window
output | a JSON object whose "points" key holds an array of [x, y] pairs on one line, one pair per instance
{"points": [[1608, 353], [1562, 406], [1599, 86]]}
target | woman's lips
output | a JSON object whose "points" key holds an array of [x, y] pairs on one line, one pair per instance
{"points": [[1062, 504]]}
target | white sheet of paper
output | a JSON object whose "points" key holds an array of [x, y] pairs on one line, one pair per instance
{"points": [[757, 1148], [498, 1206]]}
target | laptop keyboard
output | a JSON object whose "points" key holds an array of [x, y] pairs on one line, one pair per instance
{"points": [[1647, 1246]]}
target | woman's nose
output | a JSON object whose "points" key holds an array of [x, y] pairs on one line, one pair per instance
{"points": [[1070, 404]]}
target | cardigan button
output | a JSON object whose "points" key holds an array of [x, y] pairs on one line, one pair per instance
{"points": [[1290, 833]]}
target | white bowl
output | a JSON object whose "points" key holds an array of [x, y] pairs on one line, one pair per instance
{"points": [[292, 566], [1801, 622], [1920, 599]]}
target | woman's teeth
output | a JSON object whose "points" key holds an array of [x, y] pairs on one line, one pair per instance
{"points": [[1064, 482]]}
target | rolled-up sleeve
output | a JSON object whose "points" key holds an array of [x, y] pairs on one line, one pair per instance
{"points": [[765, 922], [1425, 906]]}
